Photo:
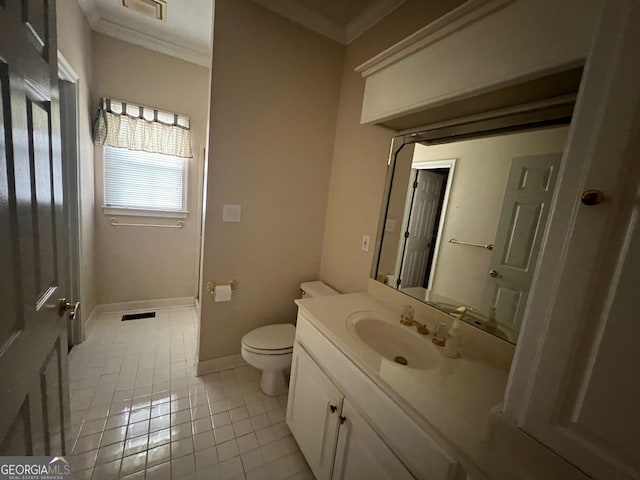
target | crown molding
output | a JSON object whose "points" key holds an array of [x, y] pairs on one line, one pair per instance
{"points": [[129, 35], [467, 13], [324, 26], [287, 8], [90, 9], [306, 17], [369, 17]]}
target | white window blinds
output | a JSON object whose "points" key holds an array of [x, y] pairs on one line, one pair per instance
{"points": [[142, 180]]}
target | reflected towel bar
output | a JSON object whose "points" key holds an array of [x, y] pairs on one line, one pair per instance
{"points": [[488, 246], [116, 223]]}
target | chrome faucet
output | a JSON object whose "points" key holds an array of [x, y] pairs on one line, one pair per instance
{"points": [[406, 318]]}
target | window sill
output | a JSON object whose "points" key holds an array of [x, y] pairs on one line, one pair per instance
{"points": [[140, 212]]}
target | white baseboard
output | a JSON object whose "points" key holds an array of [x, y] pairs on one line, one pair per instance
{"points": [[89, 323], [219, 364], [145, 304]]}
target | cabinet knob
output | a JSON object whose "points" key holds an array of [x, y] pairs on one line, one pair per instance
{"points": [[342, 419], [592, 197], [494, 273], [333, 408]]}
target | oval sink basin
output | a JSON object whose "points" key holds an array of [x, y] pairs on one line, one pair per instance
{"points": [[397, 343]]}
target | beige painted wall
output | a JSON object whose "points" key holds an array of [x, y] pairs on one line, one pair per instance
{"points": [[273, 119], [475, 204], [360, 153], [149, 263], [74, 41]]}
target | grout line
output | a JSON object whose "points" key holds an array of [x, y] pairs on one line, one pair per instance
{"points": [[113, 362]]}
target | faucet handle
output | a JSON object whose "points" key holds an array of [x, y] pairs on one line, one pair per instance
{"points": [[408, 312]]}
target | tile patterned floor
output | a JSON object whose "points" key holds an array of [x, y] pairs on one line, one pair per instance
{"points": [[138, 411]]}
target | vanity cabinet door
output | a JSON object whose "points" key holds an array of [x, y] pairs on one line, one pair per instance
{"points": [[313, 412], [361, 453]]}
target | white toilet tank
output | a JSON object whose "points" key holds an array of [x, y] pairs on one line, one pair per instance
{"points": [[316, 289]]}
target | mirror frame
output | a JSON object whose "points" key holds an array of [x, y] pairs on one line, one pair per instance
{"points": [[532, 116]]}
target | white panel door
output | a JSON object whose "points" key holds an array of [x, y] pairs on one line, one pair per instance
{"points": [[522, 222], [574, 384], [313, 411], [427, 191], [34, 392], [361, 453]]}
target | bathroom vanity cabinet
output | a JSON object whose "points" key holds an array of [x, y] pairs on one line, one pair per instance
{"points": [[347, 427], [327, 426], [314, 412]]}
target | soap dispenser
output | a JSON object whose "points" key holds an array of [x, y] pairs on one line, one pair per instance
{"points": [[452, 346]]}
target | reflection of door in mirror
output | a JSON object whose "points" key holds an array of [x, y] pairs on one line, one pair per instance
{"points": [[493, 213], [523, 217], [420, 226]]}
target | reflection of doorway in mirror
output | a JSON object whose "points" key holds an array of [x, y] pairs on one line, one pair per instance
{"points": [[422, 223], [523, 218]]}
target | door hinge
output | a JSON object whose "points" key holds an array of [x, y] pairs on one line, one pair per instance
{"points": [[415, 184], [406, 234]]}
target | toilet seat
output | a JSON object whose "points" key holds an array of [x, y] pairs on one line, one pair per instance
{"points": [[284, 351], [274, 339], [270, 348]]}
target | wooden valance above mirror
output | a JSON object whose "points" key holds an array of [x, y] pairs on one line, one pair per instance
{"points": [[537, 51]]}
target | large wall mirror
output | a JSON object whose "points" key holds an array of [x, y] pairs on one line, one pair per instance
{"points": [[464, 216]]}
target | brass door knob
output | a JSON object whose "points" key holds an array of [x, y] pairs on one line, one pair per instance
{"points": [[592, 197], [70, 308]]}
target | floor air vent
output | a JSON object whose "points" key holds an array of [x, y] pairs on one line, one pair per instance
{"points": [[138, 316]]}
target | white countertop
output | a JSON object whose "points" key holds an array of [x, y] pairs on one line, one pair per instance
{"points": [[452, 400]]}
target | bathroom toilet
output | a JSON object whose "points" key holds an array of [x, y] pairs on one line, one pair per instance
{"points": [[270, 348]]}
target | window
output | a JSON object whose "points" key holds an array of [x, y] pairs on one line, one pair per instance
{"points": [[144, 181], [146, 156]]}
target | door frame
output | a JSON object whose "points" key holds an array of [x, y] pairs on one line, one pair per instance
{"points": [[448, 163], [71, 169]]}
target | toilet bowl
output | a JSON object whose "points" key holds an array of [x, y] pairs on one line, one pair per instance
{"points": [[270, 348]]}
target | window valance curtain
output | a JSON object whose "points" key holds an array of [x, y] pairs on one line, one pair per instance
{"points": [[125, 125]]}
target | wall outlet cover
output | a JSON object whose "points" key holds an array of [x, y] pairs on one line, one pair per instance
{"points": [[365, 243]]}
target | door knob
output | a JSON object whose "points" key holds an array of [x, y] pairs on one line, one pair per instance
{"points": [[592, 197], [493, 273], [71, 308], [342, 419]]}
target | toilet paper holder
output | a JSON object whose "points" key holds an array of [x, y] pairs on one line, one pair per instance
{"points": [[211, 286]]}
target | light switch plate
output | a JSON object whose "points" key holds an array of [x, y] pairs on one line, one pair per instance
{"points": [[231, 213]]}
